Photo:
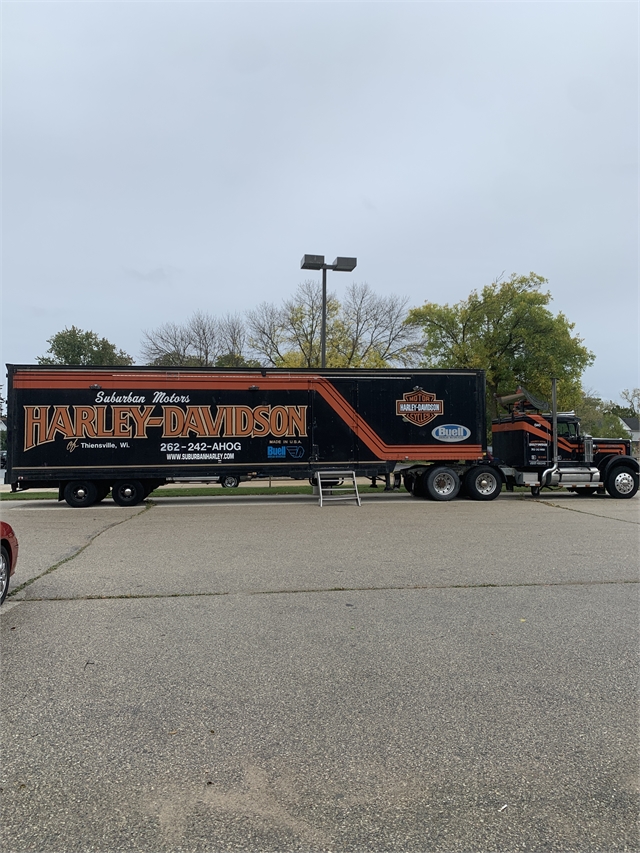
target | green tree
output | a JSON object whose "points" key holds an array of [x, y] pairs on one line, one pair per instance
{"points": [[632, 399], [75, 346], [508, 331], [596, 417], [231, 359]]}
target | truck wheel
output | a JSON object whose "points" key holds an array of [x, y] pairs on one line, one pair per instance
{"points": [[585, 491], [482, 483], [535, 491], [442, 484], [5, 568], [80, 493], [127, 492], [622, 482], [229, 482]]}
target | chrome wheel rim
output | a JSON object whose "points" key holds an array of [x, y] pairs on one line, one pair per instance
{"points": [[624, 483], [486, 484], [444, 484]]}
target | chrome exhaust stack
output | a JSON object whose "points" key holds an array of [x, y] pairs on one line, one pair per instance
{"points": [[545, 479]]}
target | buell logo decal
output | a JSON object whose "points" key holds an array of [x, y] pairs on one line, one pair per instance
{"points": [[451, 432], [419, 407]]}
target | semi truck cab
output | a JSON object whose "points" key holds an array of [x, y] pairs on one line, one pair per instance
{"points": [[523, 445]]}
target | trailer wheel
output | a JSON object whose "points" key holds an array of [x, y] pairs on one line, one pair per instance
{"points": [[127, 492], [229, 481], [622, 482], [442, 484], [80, 493], [482, 483]]}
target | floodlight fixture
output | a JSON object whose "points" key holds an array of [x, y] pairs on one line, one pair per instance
{"points": [[312, 262], [316, 262], [344, 264]]}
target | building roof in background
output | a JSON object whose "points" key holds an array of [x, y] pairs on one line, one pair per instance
{"points": [[632, 423]]}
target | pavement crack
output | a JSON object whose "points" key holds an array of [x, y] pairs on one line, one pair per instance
{"points": [[79, 550], [324, 590], [586, 512]]}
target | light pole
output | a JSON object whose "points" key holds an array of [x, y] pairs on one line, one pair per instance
{"points": [[316, 262]]}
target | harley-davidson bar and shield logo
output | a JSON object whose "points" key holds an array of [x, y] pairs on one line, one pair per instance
{"points": [[419, 407]]}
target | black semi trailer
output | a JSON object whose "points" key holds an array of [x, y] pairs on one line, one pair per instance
{"points": [[91, 430], [127, 430]]}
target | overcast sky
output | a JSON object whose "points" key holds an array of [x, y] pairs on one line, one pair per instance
{"points": [[163, 157]]}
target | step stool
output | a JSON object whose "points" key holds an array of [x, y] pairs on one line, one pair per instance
{"points": [[329, 491]]}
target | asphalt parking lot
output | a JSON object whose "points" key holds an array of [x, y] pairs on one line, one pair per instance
{"points": [[261, 674]]}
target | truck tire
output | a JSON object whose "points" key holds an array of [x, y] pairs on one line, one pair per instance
{"points": [[80, 493], [128, 492], [585, 491], [442, 484], [621, 482], [482, 483], [229, 481]]}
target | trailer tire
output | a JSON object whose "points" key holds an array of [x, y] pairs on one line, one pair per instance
{"points": [[229, 481], [622, 482], [80, 493], [442, 484], [482, 483], [128, 492]]}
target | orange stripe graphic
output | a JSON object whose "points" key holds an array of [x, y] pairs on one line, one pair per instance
{"points": [[522, 426]]}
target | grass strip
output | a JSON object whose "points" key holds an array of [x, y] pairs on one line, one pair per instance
{"points": [[29, 496]]}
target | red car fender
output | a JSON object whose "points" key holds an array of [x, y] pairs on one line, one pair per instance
{"points": [[10, 542]]}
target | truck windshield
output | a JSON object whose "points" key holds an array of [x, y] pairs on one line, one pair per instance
{"points": [[568, 430]]}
